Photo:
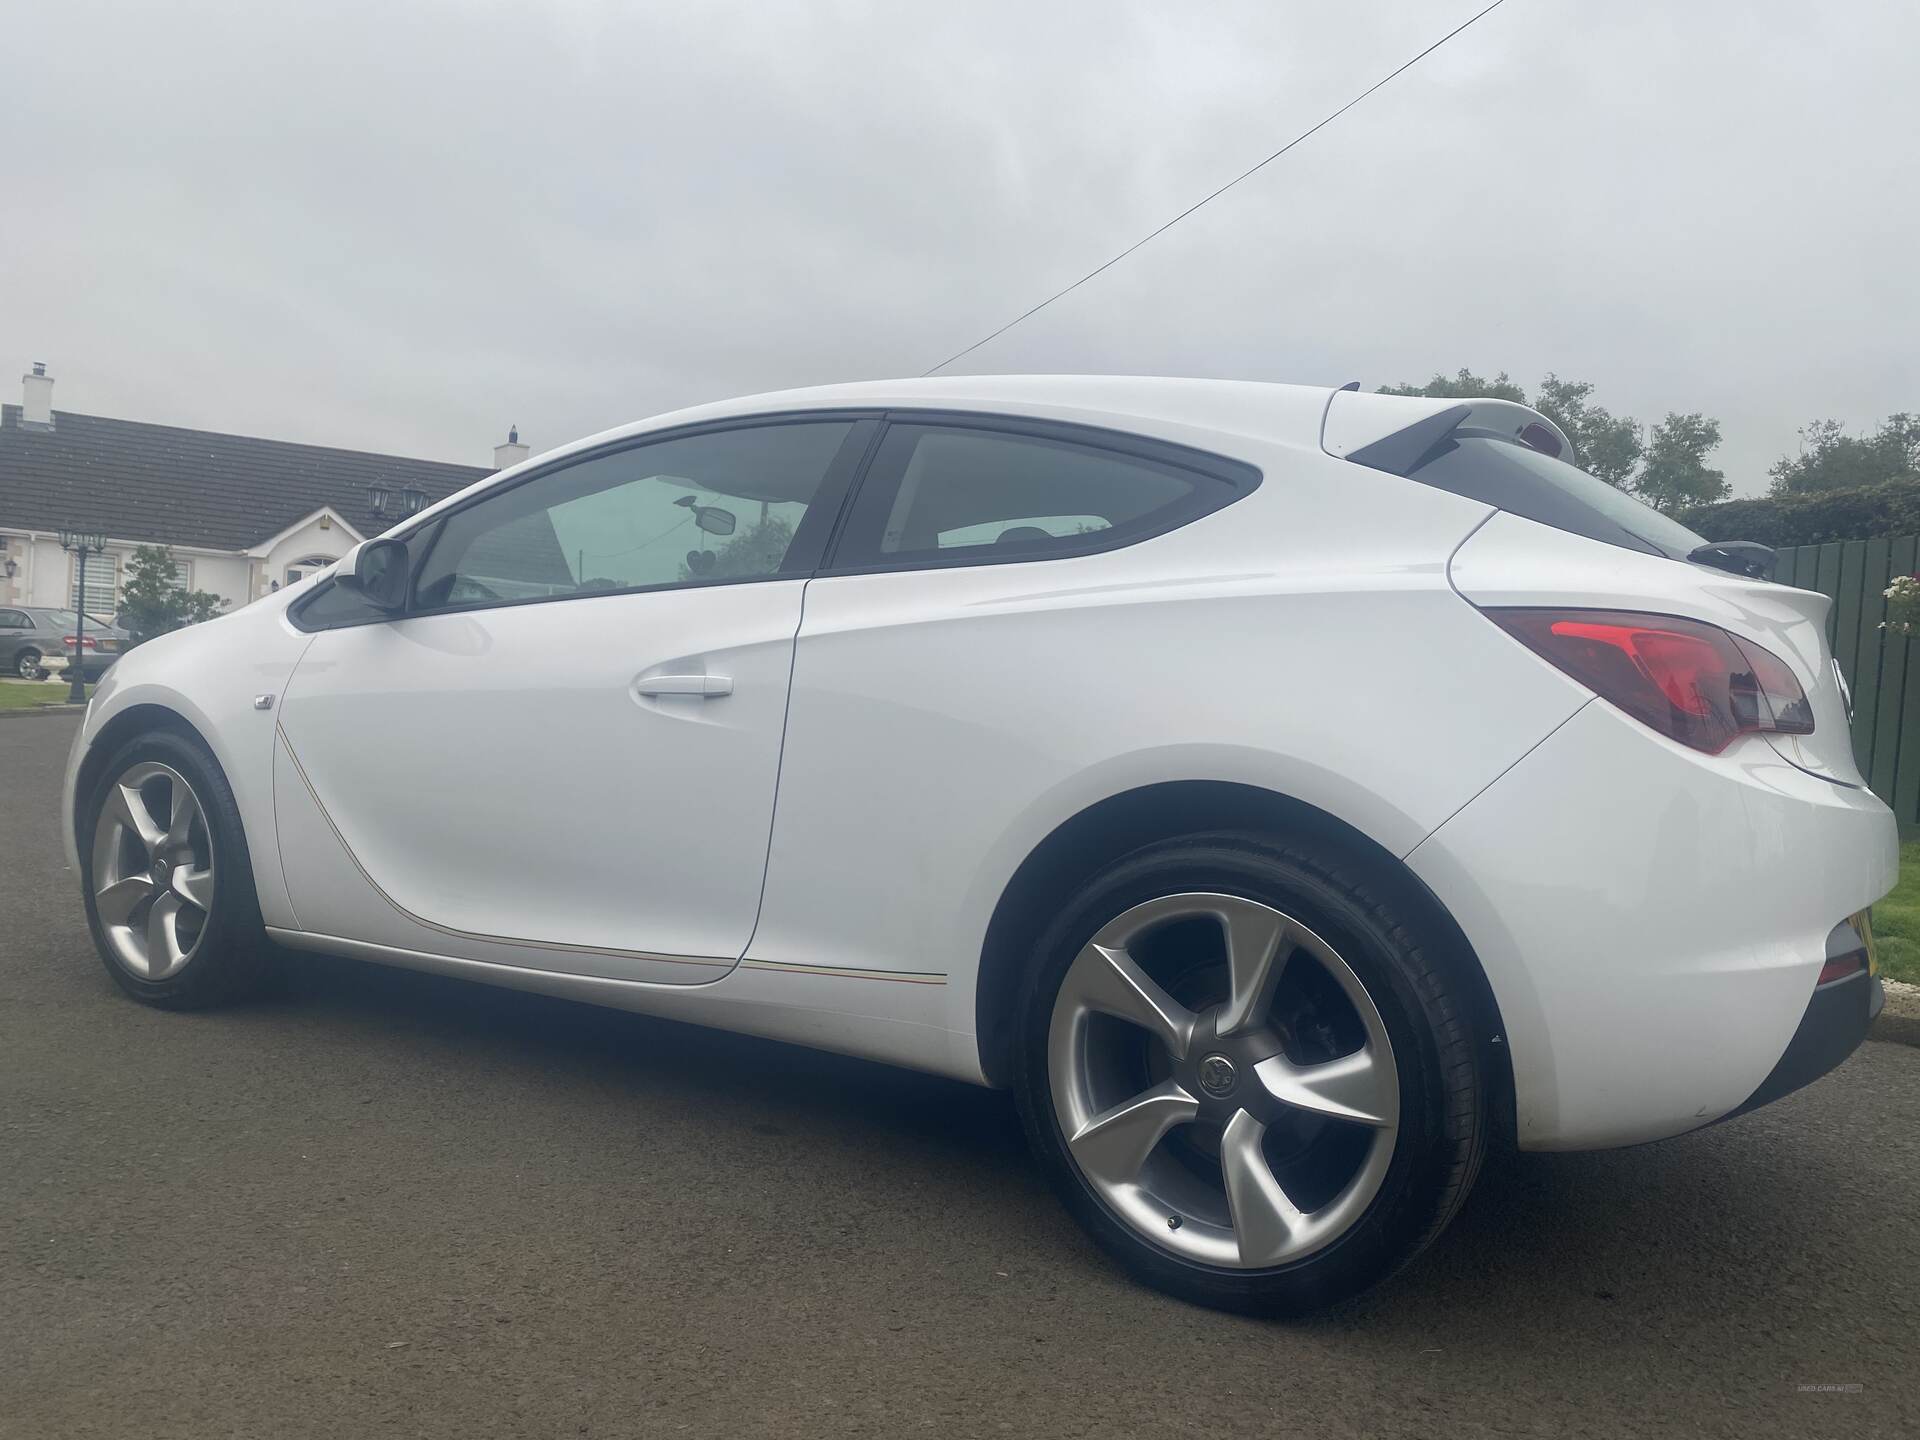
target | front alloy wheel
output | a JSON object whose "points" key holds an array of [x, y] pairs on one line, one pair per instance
{"points": [[153, 870], [167, 877]]}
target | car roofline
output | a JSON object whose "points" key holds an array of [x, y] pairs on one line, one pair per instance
{"points": [[1261, 411]]}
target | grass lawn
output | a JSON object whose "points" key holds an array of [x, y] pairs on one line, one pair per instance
{"points": [[1896, 921], [25, 696]]}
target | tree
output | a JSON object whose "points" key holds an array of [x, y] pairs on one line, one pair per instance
{"points": [[1676, 474], [1831, 459], [1667, 469], [154, 602], [756, 550], [1464, 386], [1602, 445]]}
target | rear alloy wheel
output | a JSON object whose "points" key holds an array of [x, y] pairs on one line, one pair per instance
{"points": [[168, 883], [1246, 1077], [27, 664]]}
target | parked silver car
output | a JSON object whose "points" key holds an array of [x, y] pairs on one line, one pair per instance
{"points": [[31, 635]]}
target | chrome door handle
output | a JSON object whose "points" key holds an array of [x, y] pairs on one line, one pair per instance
{"points": [[707, 687]]}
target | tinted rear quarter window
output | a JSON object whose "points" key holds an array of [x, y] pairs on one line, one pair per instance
{"points": [[957, 494], [1499, 471]]}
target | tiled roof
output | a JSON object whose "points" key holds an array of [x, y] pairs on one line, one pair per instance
{"points": [[134, 481]]}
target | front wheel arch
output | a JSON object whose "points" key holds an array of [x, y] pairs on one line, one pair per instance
{"points": [[1083, 845], [130, 722]]}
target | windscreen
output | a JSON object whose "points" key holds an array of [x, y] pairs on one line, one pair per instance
{"points": [[1500, 471]]}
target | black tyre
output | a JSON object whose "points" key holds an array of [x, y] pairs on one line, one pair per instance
{"points": [[27, 664], [167, 878], [1253, 1082]]}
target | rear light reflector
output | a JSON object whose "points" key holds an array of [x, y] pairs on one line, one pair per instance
{"points": [[1839, 969], [1692, 682]]}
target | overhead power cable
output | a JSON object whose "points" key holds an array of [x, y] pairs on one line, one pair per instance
{"points": [[1207, 199]]}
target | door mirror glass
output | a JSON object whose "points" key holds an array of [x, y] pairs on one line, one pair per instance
{"points": [[377, 569]]}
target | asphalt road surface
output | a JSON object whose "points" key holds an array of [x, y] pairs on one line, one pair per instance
{"points": [[390, 1204]]}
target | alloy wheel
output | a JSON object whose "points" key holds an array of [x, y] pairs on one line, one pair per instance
{"points": [[153, 870], [1223, 1080]]}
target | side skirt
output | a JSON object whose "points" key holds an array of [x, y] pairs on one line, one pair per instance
{"points": [[799, 1005]]}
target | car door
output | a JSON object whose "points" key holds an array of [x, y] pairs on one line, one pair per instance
{"points": [[980, 561], [563, 754]]}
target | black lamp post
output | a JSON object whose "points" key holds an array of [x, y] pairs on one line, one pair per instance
{"points": [[81, 544]]}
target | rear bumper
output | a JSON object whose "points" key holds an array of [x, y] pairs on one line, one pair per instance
{"points": [[1653, 922], [1836, 1021]]}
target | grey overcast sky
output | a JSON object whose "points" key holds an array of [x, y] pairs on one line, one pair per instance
{"points": [[402, 224]]}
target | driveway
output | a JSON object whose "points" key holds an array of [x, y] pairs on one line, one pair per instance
{"points": [[393, 1203]]}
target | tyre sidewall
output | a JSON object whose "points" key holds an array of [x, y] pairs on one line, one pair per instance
{"points": [[1410, 1204]]}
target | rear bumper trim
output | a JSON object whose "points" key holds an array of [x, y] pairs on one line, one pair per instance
{"points": [[1837, 1019]]}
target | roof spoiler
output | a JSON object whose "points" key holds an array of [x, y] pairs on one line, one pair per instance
{"points": [[1400, 452], [1394, 432]]}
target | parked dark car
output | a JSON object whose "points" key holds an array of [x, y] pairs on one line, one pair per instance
{"points": [[32, 635]]}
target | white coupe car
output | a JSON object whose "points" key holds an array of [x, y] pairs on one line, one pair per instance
{"points": [[1285, 792]]}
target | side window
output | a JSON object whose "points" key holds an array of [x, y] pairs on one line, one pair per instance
{"points": [[725, 505], [947, 495], [331, 606], [14, 620]]}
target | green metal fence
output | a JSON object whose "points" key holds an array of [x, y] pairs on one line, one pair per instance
{"points": [[1883, 670]]}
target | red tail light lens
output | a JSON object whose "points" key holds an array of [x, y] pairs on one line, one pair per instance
{"points": [[1840, 969], [1692, 682], [86, 640]]}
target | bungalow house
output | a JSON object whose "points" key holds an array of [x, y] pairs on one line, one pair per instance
{"points": [[243, 516]]}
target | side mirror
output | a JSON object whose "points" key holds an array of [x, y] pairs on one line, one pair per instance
{"points": [[378, 570]]}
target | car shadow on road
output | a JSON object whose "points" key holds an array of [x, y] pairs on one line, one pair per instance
{"points": [[1618, 1242], [649, 1055]]}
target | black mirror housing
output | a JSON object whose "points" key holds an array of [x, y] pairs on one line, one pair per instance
{"points": [[378, 569]]}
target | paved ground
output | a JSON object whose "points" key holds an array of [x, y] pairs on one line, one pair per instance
{"points": [[390, 1204]]}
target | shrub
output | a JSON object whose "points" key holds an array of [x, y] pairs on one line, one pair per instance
{"points": [[1865, 513]]}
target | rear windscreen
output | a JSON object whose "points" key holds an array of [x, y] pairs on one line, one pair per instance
{"points": [[1496, 470]]}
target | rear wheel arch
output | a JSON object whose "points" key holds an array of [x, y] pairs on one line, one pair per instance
{"points": [[1102, 833]]}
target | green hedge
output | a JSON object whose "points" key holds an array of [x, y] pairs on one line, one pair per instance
{"points": [[1865, 514]]}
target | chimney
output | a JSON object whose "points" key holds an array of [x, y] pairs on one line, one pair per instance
{"points": [[509, 454], [36, 411]]}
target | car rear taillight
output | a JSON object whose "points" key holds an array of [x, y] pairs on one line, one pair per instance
{"points": [[86, 640], [1692, 682]]}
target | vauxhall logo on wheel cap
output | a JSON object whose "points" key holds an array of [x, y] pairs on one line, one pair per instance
{"points": [[1216, 1075]]}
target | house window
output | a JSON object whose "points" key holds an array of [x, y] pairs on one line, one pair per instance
{"points": [[103, 584], [183, 574], [300, 569]]}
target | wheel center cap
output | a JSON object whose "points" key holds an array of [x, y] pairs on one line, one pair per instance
{"points": [[1216, 1076], [160, 869]]}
